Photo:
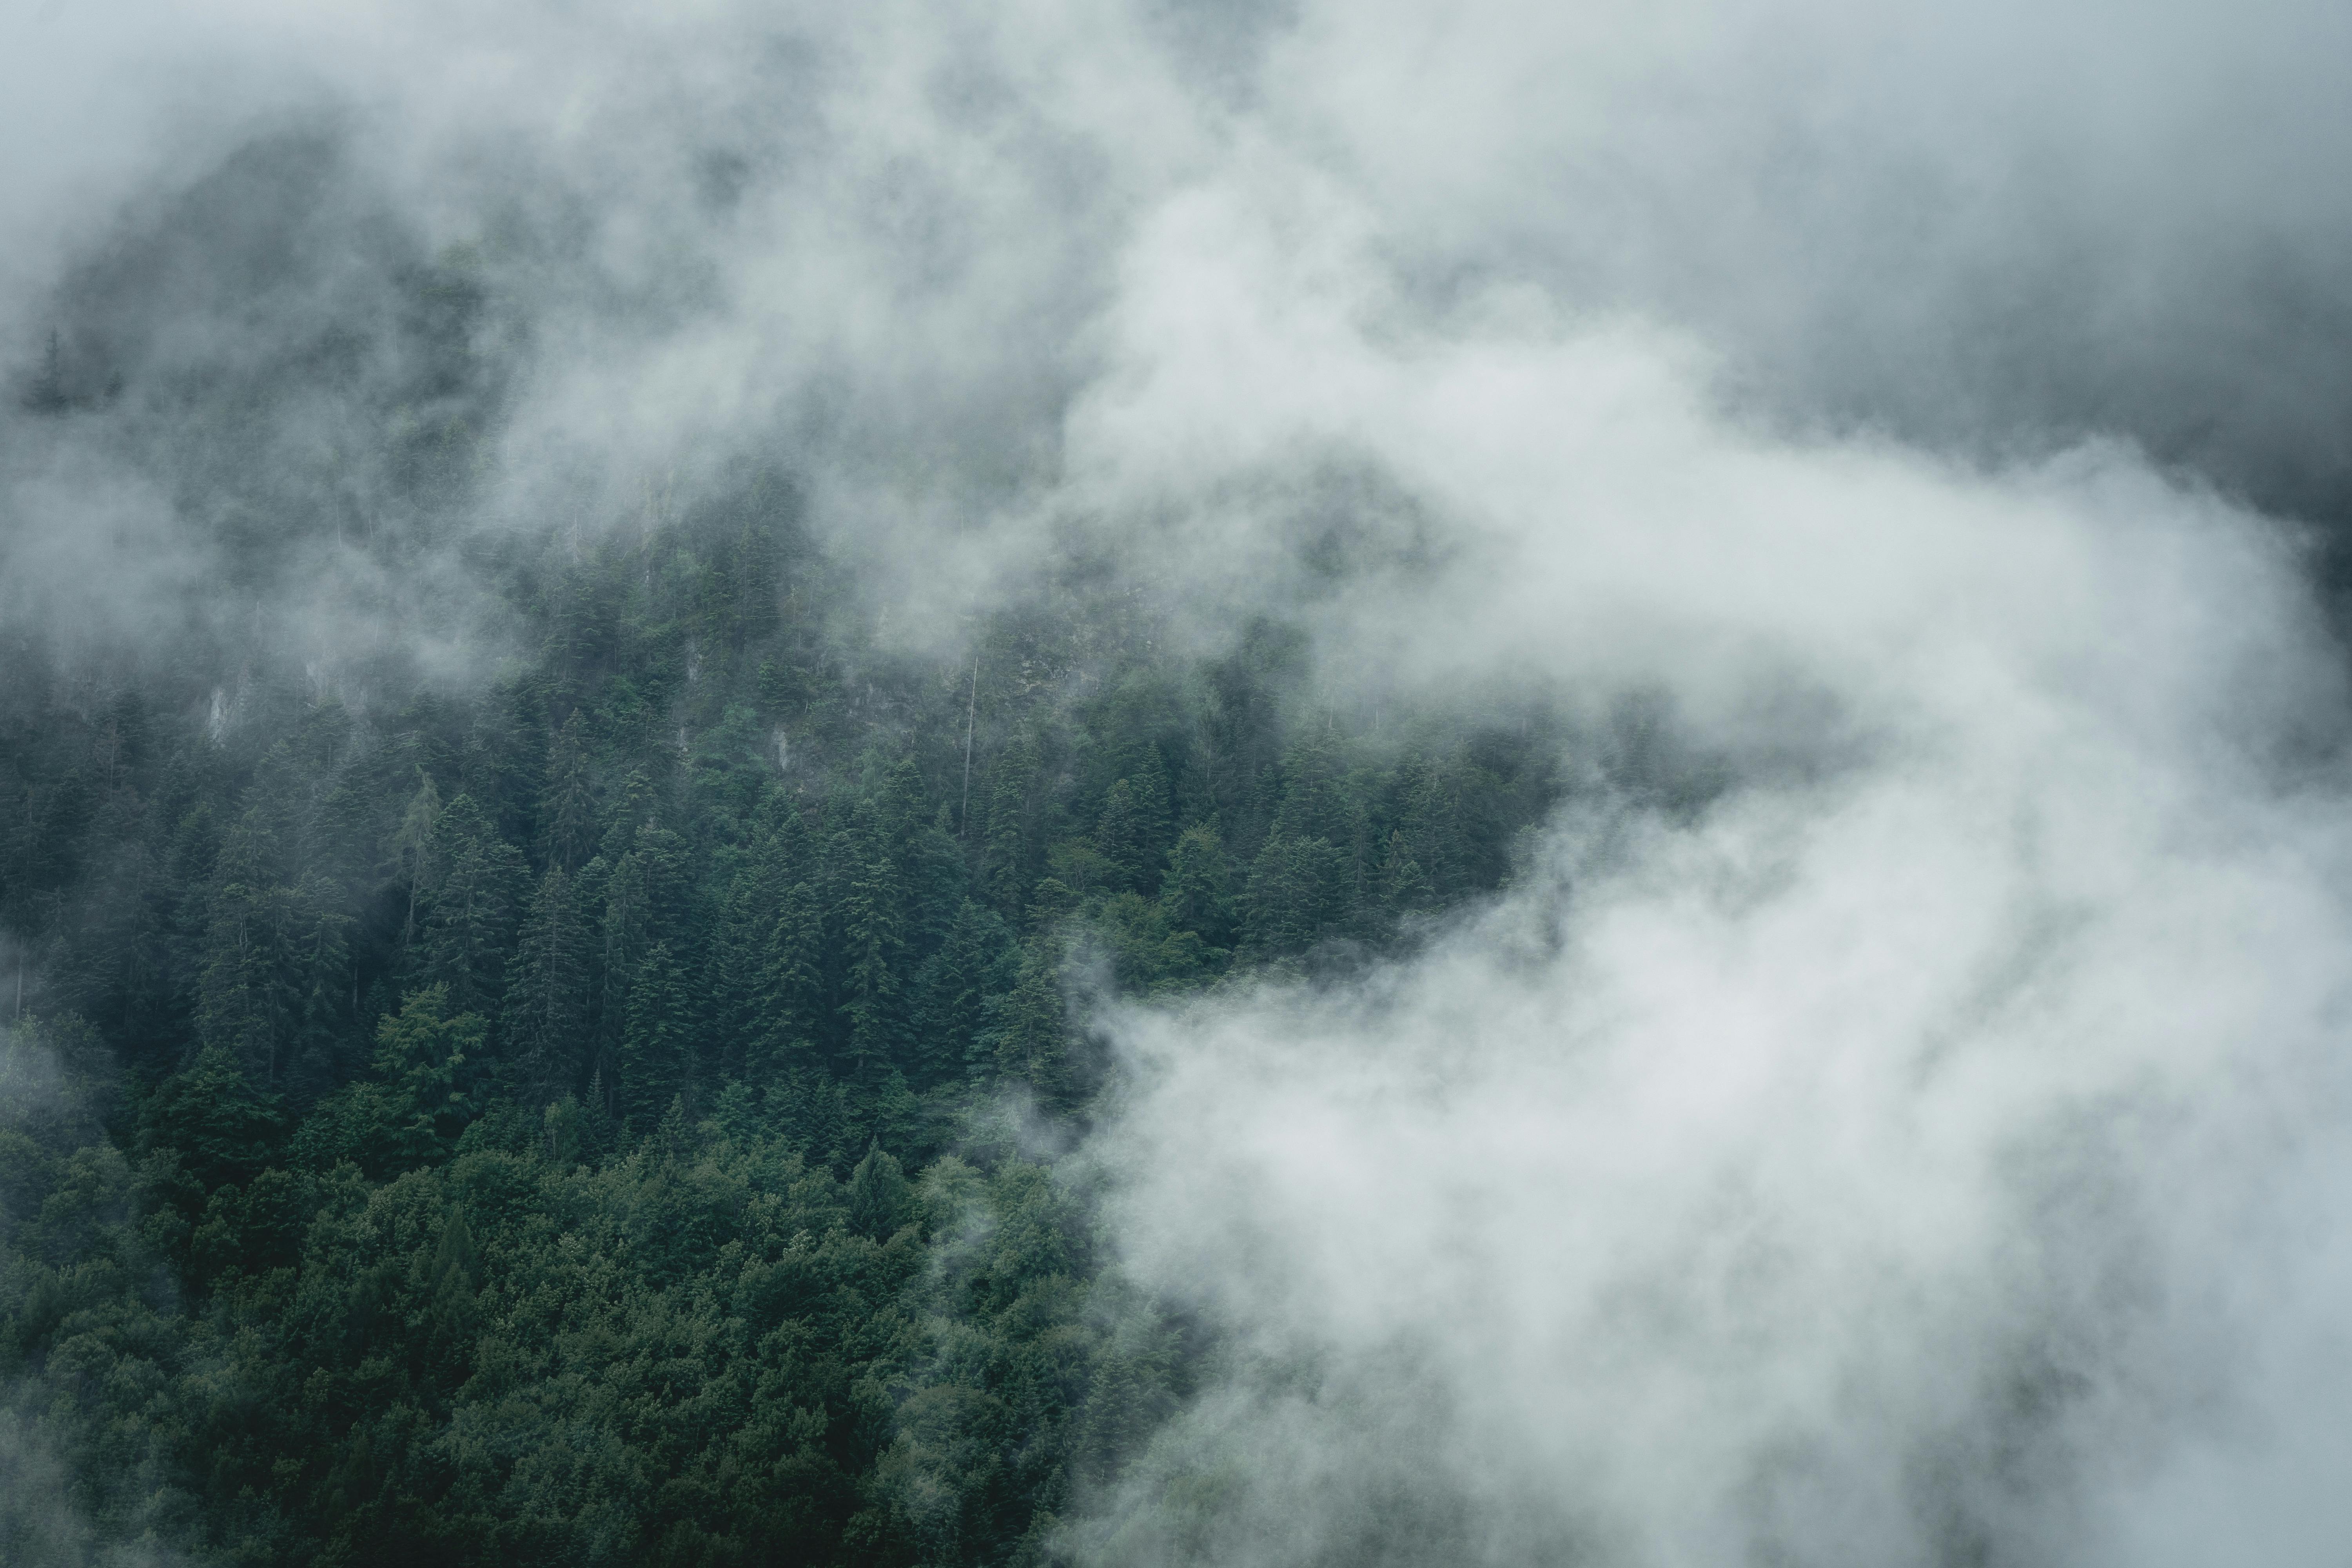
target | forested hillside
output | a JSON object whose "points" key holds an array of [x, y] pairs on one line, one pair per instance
{"points": [[1262, 783], [606, 1112]]}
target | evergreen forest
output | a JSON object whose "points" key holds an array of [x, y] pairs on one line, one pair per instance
{"points": [[613, 1106]]}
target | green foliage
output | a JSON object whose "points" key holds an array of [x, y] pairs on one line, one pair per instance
{"points": [[475, 883], [209, 1114], [550, 995], [552, 1124], [657, 1040]]}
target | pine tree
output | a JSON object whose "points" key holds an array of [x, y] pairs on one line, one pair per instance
{"points": [[791, 999], [1196, 892], [1403, 885], [274, 961], [412, 848], [546, 1021], [222, 1127], [1298, 886], [733, 975], [1154, 813], [880, 1198], [978, 959], [1005, 875], [1119, 839], [428, 1059], [455, 1275], [477, 883], [655, 1039], [1029, 1030], [1314, 803], [647, 898], [874, 935], [1430, 825], [568, 808], [937, 881]]}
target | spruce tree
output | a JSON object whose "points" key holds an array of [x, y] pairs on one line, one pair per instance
{"points": [[1029, 1030], [874, 934], [655, 1039], [1196, 894], [1119, 839], [477, 883], [790, 1004], [1005, 868], [568, 807], [978, 959], [546, 1019]]}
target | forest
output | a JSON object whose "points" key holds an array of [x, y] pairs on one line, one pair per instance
{"points": [[1264, 783], [615, 1107]]}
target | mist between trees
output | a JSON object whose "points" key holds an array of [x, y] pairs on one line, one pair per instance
{"points": [[1260, 784], [610, 1115]]}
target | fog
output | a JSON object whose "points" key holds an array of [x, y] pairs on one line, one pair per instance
{"points": [[1922, 1138], [1929, 1150]]}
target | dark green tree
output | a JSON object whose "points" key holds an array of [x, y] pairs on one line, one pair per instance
{"points": [[1298, 888], [790, 1005], [657, 1039], [978, 959], [875, 941], [568, 808], [1006, 869], [1029, 1030], [209, 1113], [477, 883], [1195, 894], [547, 1021], [1121, 839]]}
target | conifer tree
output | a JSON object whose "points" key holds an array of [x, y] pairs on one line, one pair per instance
{"points": [[881, 1199], [568, 808], [274, 960], [1154, 812], [222, 1127], [428, 1059], [1005, 874], [874, 934], [1119, 839], [791, 998], [647, 901], [977, 960], [655, 1040], [1403, 885], [454, 1277], [1296, 888], [1195, 894], [412, 848], [733, 975], [477, 885], [1029, 1028], [547, 1015]]}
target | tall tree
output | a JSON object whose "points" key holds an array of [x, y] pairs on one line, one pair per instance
{"points": [[1120, 839], [568, 808], [1006, 872], [549, 998], [1195, 894], [978, 960], [657, 1039], [1029, 1028], [875, 939], [476, 882]]}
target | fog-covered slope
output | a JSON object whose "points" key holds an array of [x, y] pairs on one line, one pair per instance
{"points": [[1250, 784]]}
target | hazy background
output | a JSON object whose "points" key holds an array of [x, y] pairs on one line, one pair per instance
{"points": [[1930, 1149]]}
